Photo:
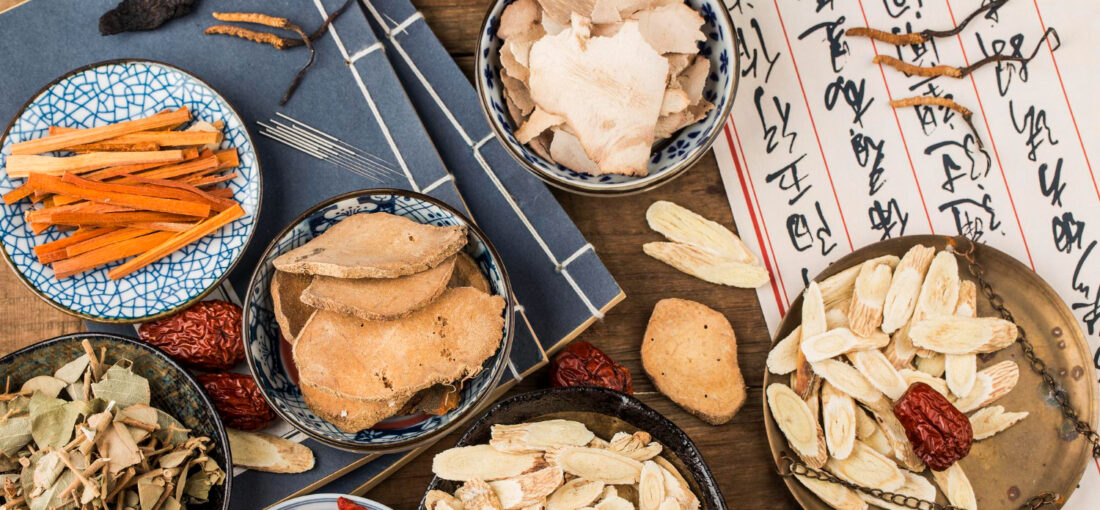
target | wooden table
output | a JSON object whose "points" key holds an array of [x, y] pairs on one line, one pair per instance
{"points": [[737, 452]]}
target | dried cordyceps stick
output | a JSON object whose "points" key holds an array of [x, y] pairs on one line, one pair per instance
{"points": [[962, 72], [275, 22], [963, 111], [276, 41], [924, 35]]}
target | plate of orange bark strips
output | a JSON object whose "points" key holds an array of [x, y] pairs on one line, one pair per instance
{"points": [[130, 190]]}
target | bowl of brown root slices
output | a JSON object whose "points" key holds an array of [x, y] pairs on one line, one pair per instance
{"points": [[893, 372], [378, 319], [606, 97]]}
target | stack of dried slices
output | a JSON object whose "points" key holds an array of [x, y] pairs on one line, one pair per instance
{"points": [[387, 317], [874, 339], [560, 464], [593, 86]]}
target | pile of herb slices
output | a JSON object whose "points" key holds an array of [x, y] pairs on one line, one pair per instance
{"points": [[86, 437]]}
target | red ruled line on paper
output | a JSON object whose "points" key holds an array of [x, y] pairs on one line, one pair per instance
{"points": [[1072, 117], [756, 226], [813, 125], [985, 120], [897, 120]]}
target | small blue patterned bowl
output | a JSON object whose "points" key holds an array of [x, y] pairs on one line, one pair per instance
{"points": [[269, 357], [670, 157], [105, 93], [326, 502]]}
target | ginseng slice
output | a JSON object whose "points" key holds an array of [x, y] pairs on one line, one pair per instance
{"points": [[798, 423], [956, 486], [993, 419], [839, 341], [868, 295], [879, 371], [838, 414], [960, 371], [901, 298], [867, 467], [963, 335]]}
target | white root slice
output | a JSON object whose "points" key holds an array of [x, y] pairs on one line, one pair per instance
{"points": [[940, 290], [934, 365], [478, 495], [901, 299], [963, 335], [439, 500], [990, 384], [877, 441], [597, 464], [956, 486], [915, 486], [839, 421], [693, 79], [518, 18], [539, 121], [567, 151], [589, 80], [837, 288], [651, 487], [517, 94], [836, 496], [960, 370], [676, 487], [560, 10], [988, 421], [847, 379], [879, 371], [865, 424], [916, 376], [798, 423], [574, 494], [675, 100], [539, 436], [813, 323], [901, 351], [707, 265], [682, 225], [868, 295], [677, 63], [672, 28], [839, 341], [511, 64], [527, 489], [867, 467], [895, 435], [639, 446], [836, 318], [783, 358], [967, 306], [482, 462]]}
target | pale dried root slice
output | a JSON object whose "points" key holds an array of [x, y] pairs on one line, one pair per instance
{"points": [[867, 467], [708, 266], [877, 441], [639, 446], [676, 487], [596, 464], [265, 452], [868, 296], [990, 384], [934, 365], [613, 501], [574, 494], [837, 288], [839, 420], [798, 423], [847, 379], [483, 462], [439, 500], [669, 504], [879, 371], [527, 489], [836, 318], [539, 436], [865, 424], [651, 487], [839, 341], [539, 121], [956, 486], [477, 495], [915, 376], [899, 442], [915, 486], [960, 370], [900, 351], [783, 358], [901, 299], [836, 496], [684, 226], [963, 335], [813, 323], [967, 305], [990, 420], [940, 290]]}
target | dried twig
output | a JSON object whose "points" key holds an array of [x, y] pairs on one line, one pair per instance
{"points": [[944, 102], [962, 72], [924, 35]]}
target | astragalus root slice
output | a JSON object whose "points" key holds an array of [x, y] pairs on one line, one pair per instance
{"points": [[483, 462], [839, 341], [682, 225], [868, 295], [940, 290], [596, 464], [639, 446], [915, 486], [963, 335], [960, 370], [932, 365], [901, 351], [591, 80], [707, 265], [956, 486], [613, 501], [783, 358], [478, 495], [839, 420], [672, 28], [439, 500], [527, 489], [993, 419], [836, 318], [901, 299], [798, 423], [837, 288], [867, 467], [651, 487], [967, 306], [676, 487], [836, 496], [990, 384], [915, 376], [574, 494], [539, 436], [878, 370], [847, 379], [895, 435], [813, 323]]}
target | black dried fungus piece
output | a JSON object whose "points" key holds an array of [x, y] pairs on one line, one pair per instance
{"points": [[135, 15]]}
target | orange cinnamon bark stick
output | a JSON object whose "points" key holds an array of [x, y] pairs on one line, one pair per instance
{"points": [[217, 203], [95, 258], [18, 194], [20, 166], [57, 186], [62, 141], [177, 241], [115, 147], [55, 250], [104, 240]]}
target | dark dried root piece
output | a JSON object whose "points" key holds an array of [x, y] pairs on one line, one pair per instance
{"points": [[944, 102], [962, 72], [908, 68], [923, 35], [277, 41]]}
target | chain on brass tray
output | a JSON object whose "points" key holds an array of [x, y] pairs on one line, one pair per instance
{"points": [[790, 466]]}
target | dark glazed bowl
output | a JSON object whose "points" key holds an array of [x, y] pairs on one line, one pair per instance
{"points": [[172, 388], [604, 412]]}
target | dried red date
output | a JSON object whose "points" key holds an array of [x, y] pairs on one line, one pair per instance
{"points": [[939, 433], [238, 400], [347, 504], [207, 335], [582, 364]]}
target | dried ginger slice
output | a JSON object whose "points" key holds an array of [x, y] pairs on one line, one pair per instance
{"points": [[963, 335], [529, 488], [674, 101], [783, 358], [693, 79], [867, 467], [685, 226], [609, 90], [956, 486], [672, 28], [539, 436], [868, 295], [836, 496], [560, 10], [795, 418], [901, 299], [707, 265], [669, 124], [988, 421], [839, 420]]}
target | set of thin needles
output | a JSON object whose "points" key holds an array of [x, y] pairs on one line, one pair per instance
{"points": [[325, 147]]}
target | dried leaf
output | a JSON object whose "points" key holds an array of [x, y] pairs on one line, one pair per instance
{"points": [[122, 386]]}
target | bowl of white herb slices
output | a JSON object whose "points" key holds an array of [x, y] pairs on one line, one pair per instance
{"points": [[91, 420]]}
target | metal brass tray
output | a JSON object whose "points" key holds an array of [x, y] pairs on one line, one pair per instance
{"points": [[1041, 453]]}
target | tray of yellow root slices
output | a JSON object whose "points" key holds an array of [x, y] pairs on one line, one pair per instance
{"points": [[843, 388]]}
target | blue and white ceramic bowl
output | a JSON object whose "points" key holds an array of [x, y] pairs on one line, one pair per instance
{"points": [[326, 502], [106, 93], [670, 157], [269, 357]]}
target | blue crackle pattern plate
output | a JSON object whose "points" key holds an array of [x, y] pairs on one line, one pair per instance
{"points": [[267, 357], [111, 92], [326, 502], [670, 157]]}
